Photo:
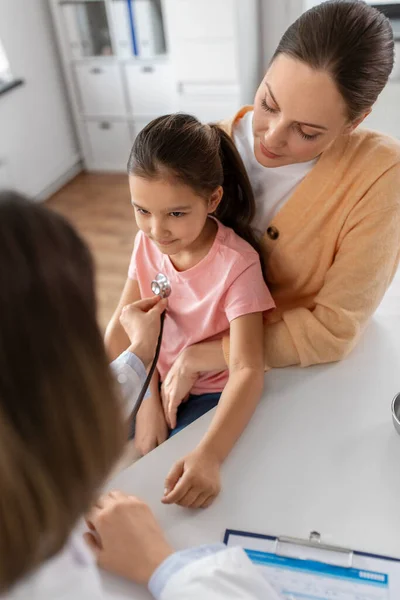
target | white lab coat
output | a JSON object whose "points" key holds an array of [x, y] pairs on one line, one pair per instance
{"points": [[73, 574]]}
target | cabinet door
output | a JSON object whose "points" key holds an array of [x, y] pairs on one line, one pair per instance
{"points": [[150, 89], [101, 89], [110, 144]]}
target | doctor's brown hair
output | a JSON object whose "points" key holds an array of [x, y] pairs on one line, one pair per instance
{"points": [[202, 157], [350, 40], [60, 423]]}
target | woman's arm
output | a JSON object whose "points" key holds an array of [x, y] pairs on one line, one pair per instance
{"points": [[194, 480], [116, 339], [365, 264], [128, 541]]}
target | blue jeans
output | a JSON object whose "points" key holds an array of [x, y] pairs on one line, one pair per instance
{"points": [[194, 408]]}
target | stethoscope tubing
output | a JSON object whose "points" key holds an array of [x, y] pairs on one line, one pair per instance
{"points": [[151, 372]]}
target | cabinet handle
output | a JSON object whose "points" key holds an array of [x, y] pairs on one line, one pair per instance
{"points": [[105, 125], [148, 69], [96, 70]]}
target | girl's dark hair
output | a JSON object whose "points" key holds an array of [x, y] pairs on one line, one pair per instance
{"points": [[352, 41], [60, 422], [202, 157]]}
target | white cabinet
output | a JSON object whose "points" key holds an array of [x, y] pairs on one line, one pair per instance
{"points": [[110, 143], [150, 88], [127, 62], [214, 44], [100, 89]]}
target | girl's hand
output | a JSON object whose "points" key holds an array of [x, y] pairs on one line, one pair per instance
{"points": [[151, 426], [194, 481], [176, 386]]}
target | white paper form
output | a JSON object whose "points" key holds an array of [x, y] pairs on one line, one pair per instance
{"points": [[296, 577]]}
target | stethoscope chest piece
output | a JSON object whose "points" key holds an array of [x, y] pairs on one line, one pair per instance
{"points": [[160, 286]]}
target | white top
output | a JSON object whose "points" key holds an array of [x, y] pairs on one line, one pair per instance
{"points": [[272, 186], [226, 574]]}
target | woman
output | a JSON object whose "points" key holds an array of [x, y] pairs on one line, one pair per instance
{"points": [[327, 191], [61, 431]]}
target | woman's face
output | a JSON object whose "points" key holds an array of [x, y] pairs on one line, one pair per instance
{"points": [[298, 113]]}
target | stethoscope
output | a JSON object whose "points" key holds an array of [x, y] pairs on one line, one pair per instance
{"points": [[160, 286]]}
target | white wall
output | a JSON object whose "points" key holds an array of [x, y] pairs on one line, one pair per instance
{"points": [[37, 139], [277, 15]]}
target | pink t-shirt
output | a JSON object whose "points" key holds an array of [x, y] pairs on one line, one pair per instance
{"points": [[224, 285]]}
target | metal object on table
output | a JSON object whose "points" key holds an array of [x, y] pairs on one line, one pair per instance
{"points": [[396, 413]]}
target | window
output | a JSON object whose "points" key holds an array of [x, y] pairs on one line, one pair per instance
{"points": [[7, 81], [5, 73]]}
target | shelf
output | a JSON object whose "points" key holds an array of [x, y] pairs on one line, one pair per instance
{"points": [[159, 58]]}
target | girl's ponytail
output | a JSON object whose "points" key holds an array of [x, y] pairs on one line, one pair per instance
{"points": [[237, 207]]}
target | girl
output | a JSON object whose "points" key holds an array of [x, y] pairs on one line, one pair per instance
{"points": [[194, 204]]}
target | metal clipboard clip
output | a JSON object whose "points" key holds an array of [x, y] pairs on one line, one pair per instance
{"points": [[313, 549]]}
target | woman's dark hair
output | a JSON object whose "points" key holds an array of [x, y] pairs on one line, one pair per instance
{"points": [[202, 157], [60, 422], [352, 41]]}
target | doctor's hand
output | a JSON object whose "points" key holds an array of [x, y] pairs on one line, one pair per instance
{"points": [[177, 386], [126, 538], [141, 321], [194, 481]]}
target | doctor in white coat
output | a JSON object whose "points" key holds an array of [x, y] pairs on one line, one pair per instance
{"points": [[54, 384]]}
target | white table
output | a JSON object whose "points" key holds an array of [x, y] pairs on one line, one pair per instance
{"points": [[320, 454]]}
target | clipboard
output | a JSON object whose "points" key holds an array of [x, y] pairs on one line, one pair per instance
{"points": [[311, 569]]}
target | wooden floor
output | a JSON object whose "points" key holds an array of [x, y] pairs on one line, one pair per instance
{"points": [[99, 207]]}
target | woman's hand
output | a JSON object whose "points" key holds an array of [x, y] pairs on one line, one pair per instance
{"points": [[126, 538], [176, 386], [194, 481], [151, 427]]}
